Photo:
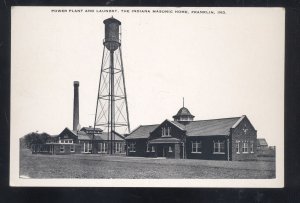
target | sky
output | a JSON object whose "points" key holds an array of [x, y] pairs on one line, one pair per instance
{"points": [[224, 65]]}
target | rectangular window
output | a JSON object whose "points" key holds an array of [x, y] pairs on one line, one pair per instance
{"points": [[237, 147], [252, 147], [166, 131], [131, 147], [66, 141], [62, 148], [163, 132], [196, 147], [72, 148], [170, 149], [245, 147], [90, 147], [148, 148], [219, 147], [118, 147], [104, 147], [153, 149], [100, 147], [87, 147]]}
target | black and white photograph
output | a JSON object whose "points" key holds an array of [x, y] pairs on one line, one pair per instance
{"points": [[147, 97]]}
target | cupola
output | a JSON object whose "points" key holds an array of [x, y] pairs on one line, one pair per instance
{"points": [[183, 115]]}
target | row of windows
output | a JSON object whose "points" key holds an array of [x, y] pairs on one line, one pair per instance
{"points": [[246, 147], [62, 148], [87, 147], [152, 148], [219, 147], [67, 141], [166, 131], [102, 147]]}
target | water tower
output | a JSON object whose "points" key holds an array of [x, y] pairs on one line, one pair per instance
{"points": [[112, 108]]}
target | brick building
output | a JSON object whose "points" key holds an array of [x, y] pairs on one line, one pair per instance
{"points": [[216, 139], [262, 144], [76, 142]]}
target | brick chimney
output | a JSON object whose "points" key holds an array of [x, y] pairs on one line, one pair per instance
{"points": [[76, 106]]}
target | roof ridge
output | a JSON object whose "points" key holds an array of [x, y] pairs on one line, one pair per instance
{"points": [[216, 119], [150, 125]]}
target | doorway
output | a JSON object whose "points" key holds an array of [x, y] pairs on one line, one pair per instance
{"points": [[162, 150]]}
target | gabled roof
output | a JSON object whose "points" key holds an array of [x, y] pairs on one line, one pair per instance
{"points": [[103, 136], [211, 127], [90, 128], [179, 125], [68, 130], [262, 142], [143, 131], [81, 135]]}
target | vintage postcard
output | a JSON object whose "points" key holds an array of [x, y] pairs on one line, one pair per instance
{"points": [[147, 97]]}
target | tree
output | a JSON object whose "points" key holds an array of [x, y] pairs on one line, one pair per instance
{"points": [[35, 138]]}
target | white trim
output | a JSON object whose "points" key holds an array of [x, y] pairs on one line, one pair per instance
{"points": [[236, 123], [118, 147], [196, 147], [251, 147], [132, 145], [237, 147], [219, 147], [219, 153], [102, 147], [86, 149], [245, 148], [166, 131], [66, 141], [147, 148]]}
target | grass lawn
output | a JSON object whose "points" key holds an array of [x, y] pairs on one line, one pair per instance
{"points": [[97, 166]]}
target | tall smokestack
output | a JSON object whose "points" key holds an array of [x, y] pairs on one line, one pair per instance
{"points": [[76, 106]]}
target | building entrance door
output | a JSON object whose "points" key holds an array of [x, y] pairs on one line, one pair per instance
{"points": [[162, 150]]}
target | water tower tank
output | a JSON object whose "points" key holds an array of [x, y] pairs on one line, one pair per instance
{"points": [[112, 34]]}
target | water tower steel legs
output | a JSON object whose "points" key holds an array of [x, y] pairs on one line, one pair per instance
{"points": [[112, 100], [125, 94], [112, 106]]}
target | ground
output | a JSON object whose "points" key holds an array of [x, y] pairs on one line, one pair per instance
{"points": [[97, 166]]}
